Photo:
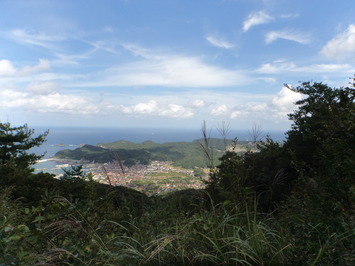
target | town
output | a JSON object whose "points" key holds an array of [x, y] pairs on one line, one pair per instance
{"points": [[159, 177]]}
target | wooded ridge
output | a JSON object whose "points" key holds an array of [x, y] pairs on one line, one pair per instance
{"points": [[183, 154]]}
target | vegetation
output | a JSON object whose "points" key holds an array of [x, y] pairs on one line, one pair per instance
{"points": [[182, 154], [308, 181], [285, 204]]}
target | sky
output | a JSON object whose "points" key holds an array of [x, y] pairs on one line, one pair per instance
{"points": [[168, 63]]}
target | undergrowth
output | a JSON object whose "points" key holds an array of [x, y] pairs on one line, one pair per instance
{"points": [[61, 232]]}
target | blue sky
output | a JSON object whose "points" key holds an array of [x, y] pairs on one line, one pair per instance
{"points": [[168, 63]]}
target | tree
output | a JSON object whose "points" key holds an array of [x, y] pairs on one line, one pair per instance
{"points": [[15, 142], [256, 135], [73, 173], [264, 175], [317, 158], [321, 143], [16, 161], [130, 162]]}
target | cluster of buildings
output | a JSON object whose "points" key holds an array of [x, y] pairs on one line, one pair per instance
{"points": [[155, 178]]}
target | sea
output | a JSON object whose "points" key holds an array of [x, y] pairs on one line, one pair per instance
{"points": [[60, 138]]}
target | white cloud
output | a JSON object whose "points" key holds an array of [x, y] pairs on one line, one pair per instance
{"points": [[69, 104], [48, 103], [282, 66], [152, 108], [43, 87], [108, 29], [177, 111], [291, 15], [218, 42], [284, 101], [146, 108], [49, 76], [219, 110], [341, 46], [270, 80], [169, 71], [198, 103], [104, 46], [43, 65], [142, 52], [277, 67], [209, 101], [47, 98], [251, 110], [327, 68], [272, 109], [72, 59], [256, 19], [39, 39], [7, 68], [12, 98], [286, 35], [258, 107], [235, 114]]}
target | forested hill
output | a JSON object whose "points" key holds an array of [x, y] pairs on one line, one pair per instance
{"points": [[184, 154]]}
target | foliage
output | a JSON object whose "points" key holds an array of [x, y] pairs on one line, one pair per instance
{"points": [[15, 143], [14, 235], [264, 175], [308, 180], [75, 173], [321, 145], [88, 153], [130, 162], [322, 142], [317, 157], [183, 154], [63, 232], [315, 239], [16, 159]]}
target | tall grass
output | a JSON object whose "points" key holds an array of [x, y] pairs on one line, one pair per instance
{"points": [[61, 232], [211, 235]]}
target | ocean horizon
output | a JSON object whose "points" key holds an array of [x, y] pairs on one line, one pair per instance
{"points": [[93, 135]]}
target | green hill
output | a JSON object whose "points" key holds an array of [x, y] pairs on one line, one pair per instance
{"points": [[183, 154]]}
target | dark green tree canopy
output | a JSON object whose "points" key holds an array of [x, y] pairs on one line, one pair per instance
{"points": [[322, 142], [325, 113], [323, 126], [15, 142], [317, 158]]}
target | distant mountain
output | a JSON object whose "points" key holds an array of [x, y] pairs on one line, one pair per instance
{"points": [[183, 154]]}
